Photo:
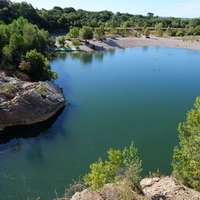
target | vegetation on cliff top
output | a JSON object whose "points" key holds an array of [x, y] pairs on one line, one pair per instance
{"points": [[186, 158], [23, 51]]}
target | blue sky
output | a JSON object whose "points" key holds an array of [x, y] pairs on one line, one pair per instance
{"points": [[174, 8]]}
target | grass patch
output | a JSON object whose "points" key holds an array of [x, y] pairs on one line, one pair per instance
{"points": [[42, 89], [8, 87]]}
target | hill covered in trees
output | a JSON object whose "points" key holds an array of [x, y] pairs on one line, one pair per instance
{"points": [[64, 18]]}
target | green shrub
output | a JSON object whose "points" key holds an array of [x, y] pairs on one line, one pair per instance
{"points": [[171, 31], [8, 87], [122, 166], [159, 33], [186, 158], [76, 43], [42, 89], [146, 32], [180, 33]]}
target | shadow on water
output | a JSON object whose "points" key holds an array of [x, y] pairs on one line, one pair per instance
{"points": [[28, 131]]}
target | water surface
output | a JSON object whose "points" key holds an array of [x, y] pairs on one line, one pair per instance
{"points": [[138, 94]]}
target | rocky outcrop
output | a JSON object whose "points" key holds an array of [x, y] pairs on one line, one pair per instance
{"points": [[164, 188], [168, 189], [24, 103]]}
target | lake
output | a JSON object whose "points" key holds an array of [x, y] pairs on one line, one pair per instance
{"points": [[115, 97]]}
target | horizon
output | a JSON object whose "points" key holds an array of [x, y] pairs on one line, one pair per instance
{"points": [[161, 8]]}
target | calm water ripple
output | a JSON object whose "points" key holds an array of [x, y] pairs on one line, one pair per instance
{"points": [[138, 94]]}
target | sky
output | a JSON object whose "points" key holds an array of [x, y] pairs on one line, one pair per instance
{"points": [[164, 8]]}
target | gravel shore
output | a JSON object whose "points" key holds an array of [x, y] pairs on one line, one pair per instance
{"points": [[110, 44]]}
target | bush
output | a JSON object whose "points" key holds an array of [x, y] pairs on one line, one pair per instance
{"points": [[159, 33], [76, 43], [171, 31], [180, 33], [42, 89], [39, 66], [146, 32], [7, 87], [122, 166], [186, 158]]}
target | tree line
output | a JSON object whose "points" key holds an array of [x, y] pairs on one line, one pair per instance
{"points": [[64, 18], [24, 33]]}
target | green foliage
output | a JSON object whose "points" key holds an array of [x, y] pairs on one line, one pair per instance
{"points": [[180, 33], [103, 172], [135, 33], [40, 67], [61, 41], [113, 31], [146, 32], [42, 89], [51, 41], [186, 158], [124, 166], [159, 33], [20, 37], [73, 33], [171, 31], [131, 168], [99, 32], [64, 18], [76, 43], [158, 26], [86, 33], [8, 87], [154, 174]]}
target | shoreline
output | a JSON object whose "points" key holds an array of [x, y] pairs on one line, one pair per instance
{"points": [[111, 44]]}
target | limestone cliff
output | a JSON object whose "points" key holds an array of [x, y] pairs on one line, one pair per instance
{"points": [[24, 103], [164, 188]]}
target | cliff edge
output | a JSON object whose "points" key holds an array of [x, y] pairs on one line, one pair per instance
{"points": [[24, 103], [164, 188]]}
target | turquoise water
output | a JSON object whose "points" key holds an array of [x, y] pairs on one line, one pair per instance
{"points": [[138, 94]]}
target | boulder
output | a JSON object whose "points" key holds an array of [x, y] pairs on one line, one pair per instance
{"points": [[167, 188], [24, 103]]}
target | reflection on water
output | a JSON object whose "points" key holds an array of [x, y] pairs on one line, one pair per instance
{"points": [[86, 58], [27, 131], [15, 148], [98, 56]]}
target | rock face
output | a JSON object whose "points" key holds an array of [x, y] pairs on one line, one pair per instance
{"points": [[24, 103], [167, 188], [154, 189]]}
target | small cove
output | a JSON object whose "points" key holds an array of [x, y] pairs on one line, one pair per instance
{"points": [[138, 94]]}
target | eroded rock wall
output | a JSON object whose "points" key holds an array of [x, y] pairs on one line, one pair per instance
{"points": [[24, 103]]}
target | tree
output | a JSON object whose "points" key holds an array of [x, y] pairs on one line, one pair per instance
{"points": [[131, 168], [76, 43], [86, 33], [73, 33], [159, 33], [103, 172], [150, 15], [146, 32], [124, 166], [180, 33], [61, 41], [171, 31], [99, 32], [158, 26], [39, 66], [186, 158]]}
